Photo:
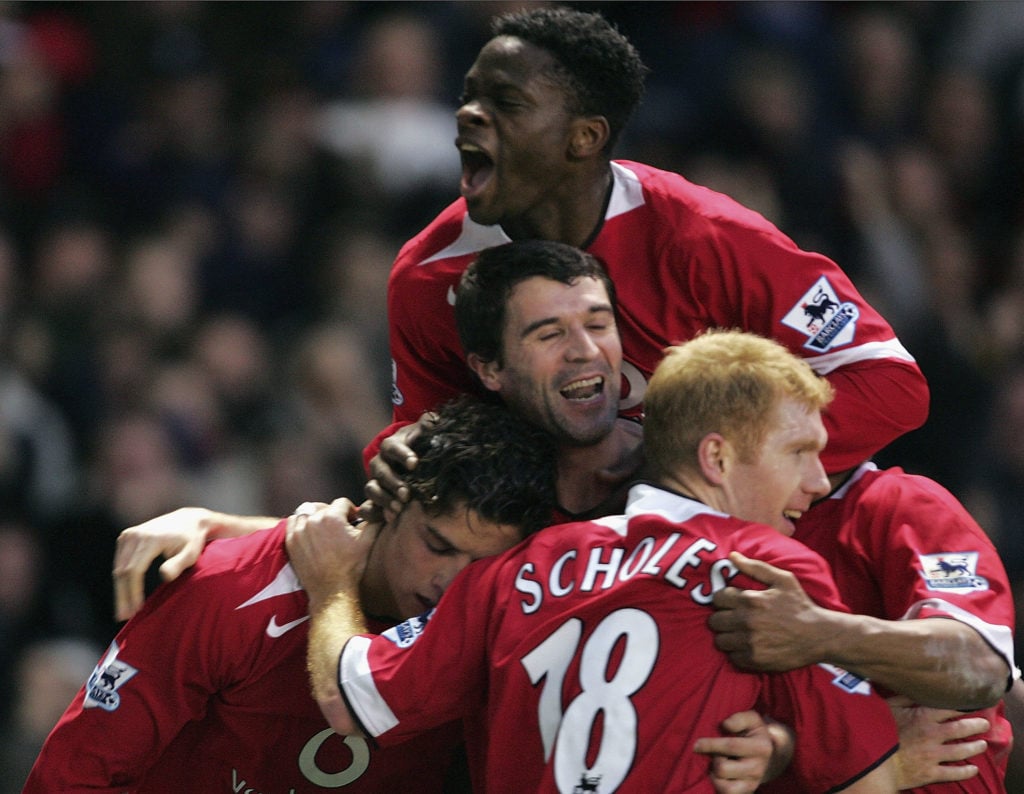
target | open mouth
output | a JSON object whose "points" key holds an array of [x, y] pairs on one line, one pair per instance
{"points": [[477, 167], [792, 515], [585, 389]]}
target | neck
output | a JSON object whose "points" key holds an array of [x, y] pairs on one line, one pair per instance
{"points": [[374, 595], [596, 476], [573, 212]]}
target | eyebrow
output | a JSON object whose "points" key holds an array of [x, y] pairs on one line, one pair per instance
{"points": [[435, 533], [602, 308]]}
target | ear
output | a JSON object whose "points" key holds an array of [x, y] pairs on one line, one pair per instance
{"points": [[588, 136], [486, 371], [714, 454]]}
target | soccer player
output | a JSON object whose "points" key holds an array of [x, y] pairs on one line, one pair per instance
{"points": [[581, 659], [539, 320], [903, 550], [543, 105], [206, 689]]}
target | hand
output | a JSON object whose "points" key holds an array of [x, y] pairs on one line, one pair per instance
{"points": [[386, 492], [742, 761], [776, 629], [180, 536], [328, 550], [931, 740]]}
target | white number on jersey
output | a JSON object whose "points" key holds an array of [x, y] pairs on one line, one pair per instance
{"points": [[570, 732]]}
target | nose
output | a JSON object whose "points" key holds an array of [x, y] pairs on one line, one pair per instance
{"points": [[581, 346], [816, 480], [470, 113], [447, 571]]}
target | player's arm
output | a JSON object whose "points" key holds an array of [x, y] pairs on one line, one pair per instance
{"points": [[754, 750], [876, 401], [942, 663], [159, 674], [180, 537], [328, 552]]}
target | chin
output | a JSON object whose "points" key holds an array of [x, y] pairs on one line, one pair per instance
{"points": [[479, 214]]}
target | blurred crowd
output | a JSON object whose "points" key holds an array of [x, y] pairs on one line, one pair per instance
{"points": [[200, 203]]}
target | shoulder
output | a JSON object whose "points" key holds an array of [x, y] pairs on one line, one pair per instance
{"points": [[672, 193], [895, 491], [440, 233]]}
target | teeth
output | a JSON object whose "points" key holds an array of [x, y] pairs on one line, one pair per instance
{"points": [[792, 515], [587, 387], [469, 147]]}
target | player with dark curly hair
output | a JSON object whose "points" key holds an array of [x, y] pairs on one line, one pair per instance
{"points": [[205, 688]]}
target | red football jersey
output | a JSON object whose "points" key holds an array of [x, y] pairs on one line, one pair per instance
{"points": [[901, 546], [683, 258], [582, 660], [206, 690]]}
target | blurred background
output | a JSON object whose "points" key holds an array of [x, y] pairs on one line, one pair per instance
{"points": [[200, 203]]}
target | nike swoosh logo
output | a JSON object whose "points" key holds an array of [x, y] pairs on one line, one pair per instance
{"points": [[451, 295], [275, 630]]}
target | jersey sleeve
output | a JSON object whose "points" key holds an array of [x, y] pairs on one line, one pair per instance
{"points": [[876, 401], [917, 526], [806, 302], [157, 674], [843, 728], [428, 365], [388, 679]]}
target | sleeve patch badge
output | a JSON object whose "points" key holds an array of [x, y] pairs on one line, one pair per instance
{"points": [[108, 676], [826, 320], [397, 398], [952, 572], [405, 634], [847, 681]]}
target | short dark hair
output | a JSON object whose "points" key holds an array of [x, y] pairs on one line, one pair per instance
{"points": [[479, 456], [485, 287], [600, 68]]}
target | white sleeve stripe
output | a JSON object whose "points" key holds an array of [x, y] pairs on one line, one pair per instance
{"points": [[999, 637], [356, 683], [891, 348]]}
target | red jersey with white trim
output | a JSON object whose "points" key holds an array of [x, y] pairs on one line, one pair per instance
{"points": [[206, 689], [901, 546], [683, 258], [582, 660]]}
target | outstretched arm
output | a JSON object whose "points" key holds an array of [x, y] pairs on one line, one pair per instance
{"points": [[942, 663], [329, 552], [179, 536]]}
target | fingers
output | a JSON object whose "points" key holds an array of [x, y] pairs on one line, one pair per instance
{"points": [[761, 571], [727, 598], [384, 499], [129, 593], [742, 722], [172, 567], [946, 773], [132, 558]]}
